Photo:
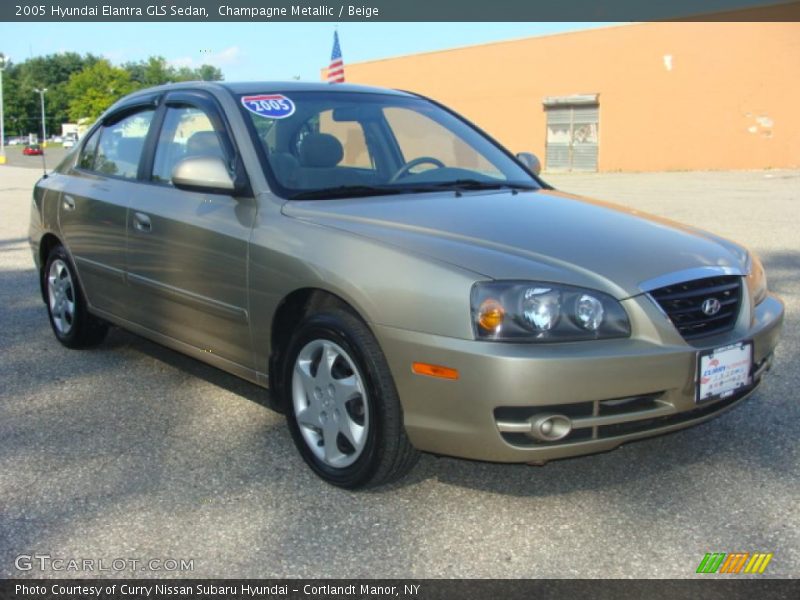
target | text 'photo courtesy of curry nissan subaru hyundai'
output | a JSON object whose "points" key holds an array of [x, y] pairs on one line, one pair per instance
{"points": [[396, 278]]}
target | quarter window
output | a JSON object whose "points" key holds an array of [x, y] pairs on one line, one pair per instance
{"points": [[86, 161], [120, 146], [187, 132]]}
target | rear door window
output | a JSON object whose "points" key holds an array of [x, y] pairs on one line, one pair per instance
{"points": [[120, 147]]}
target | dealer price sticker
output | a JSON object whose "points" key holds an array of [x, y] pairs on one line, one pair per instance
{"points": [[723, 371]]}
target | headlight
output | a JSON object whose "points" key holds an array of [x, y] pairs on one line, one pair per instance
{"points": [[756, 280], [524, 311]]}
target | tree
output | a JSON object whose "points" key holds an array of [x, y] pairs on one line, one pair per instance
{"points": [[22, 109], [208, 73], [147, 73], [94, 89], [157, 71], [97, 85]]}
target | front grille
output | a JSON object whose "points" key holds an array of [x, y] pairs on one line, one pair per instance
{"points": [[682, 302]]}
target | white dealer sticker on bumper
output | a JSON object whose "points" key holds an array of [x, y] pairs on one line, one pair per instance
{"points": [[724, 370]]}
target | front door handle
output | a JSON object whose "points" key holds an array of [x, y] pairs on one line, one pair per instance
{"points": [[68, 202], [142, 222]]}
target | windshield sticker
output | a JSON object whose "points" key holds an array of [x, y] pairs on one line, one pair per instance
{"points": [[269, 106]]}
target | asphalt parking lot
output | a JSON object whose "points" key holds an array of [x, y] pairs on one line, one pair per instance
{"points": [[133, 451]]}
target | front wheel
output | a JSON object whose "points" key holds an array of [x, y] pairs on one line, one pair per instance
{"points": [[343, 409]]}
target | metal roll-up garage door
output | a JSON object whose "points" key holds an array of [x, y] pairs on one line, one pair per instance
{"points": [[572, 133]]}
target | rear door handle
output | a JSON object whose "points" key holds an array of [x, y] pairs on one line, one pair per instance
{"points": [[142, 222], [68, 202]]}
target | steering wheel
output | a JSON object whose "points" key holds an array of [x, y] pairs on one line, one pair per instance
{"points": [[403, 171]]}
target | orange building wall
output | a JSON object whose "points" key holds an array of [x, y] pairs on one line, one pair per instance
{"points": [[730, 100]]}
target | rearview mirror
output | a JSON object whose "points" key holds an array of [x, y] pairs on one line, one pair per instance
{"points": [[530, 161], [203, 174], [360, 113]]}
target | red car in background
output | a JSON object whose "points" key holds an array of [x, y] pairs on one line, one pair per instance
{"points": [[32, 150]]}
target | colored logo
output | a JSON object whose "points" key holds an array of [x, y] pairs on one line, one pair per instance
{"points": [[711, 306], [269, 106], [734, 563]]}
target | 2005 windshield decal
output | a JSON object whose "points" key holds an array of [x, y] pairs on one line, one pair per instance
{"points": [[269, 106]]}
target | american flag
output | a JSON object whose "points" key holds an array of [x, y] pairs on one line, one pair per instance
{"points": [[336, 69]]}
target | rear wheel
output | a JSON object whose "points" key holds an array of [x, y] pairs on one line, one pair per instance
{"points": [[66, 306], [343, 409]]}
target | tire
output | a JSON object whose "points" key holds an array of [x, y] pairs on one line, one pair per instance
{"points": [[346, 420], [72, 324]]}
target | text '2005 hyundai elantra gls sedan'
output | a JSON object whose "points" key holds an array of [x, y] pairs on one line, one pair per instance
{"points": [[399, 280]]}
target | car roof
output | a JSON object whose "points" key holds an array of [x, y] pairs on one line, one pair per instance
{"points": [[260, 87]]}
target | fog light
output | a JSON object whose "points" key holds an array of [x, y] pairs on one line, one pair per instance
{"points": [[550, 428]]}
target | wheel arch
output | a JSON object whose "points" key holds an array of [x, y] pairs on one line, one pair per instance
{"points": [[291, 310], [46, 244]]}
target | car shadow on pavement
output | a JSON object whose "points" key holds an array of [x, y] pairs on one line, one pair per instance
{"points": [[14, 242], [120, 338]]}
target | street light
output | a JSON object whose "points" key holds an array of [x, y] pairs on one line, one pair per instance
{"points": [[2, 129], [44, 128]]}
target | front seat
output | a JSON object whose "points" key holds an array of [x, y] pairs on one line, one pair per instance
{"points": [[318, 154]]}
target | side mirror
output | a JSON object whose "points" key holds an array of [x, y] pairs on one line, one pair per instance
{"points": [[530, 161], [203, 174]]}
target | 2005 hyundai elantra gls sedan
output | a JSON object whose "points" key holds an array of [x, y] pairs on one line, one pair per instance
{"points": [[398, 279]]}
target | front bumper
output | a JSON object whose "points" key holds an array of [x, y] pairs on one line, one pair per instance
{"points": [[615, 390]]}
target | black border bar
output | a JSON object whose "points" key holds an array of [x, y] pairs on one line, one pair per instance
{"points": [[706, 587], [396, 10]]}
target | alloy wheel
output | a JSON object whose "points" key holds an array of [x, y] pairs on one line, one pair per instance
{"points": [[330, 403], [61, 296]]}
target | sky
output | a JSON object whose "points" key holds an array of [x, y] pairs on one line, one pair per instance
{"points": [[258, 51]]}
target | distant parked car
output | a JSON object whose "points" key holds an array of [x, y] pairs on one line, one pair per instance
{"points": [[15, 141], [58, 139], [69, 141], [32, 150]]}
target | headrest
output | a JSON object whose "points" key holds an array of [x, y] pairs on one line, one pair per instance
{"points": [[320, 150], [284, 165], [203, 143]]}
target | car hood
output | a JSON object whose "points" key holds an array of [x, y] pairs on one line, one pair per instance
{"points": [[545, 235]]}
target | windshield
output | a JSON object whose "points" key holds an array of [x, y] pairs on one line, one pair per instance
{"points": [[342, 144]]}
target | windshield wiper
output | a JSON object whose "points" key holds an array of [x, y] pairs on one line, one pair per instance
{"points": [[475, 184], [360, 191], [346, 191]]}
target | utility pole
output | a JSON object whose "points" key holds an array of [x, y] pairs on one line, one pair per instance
{"points": [[44, 127], [2, 116]]}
